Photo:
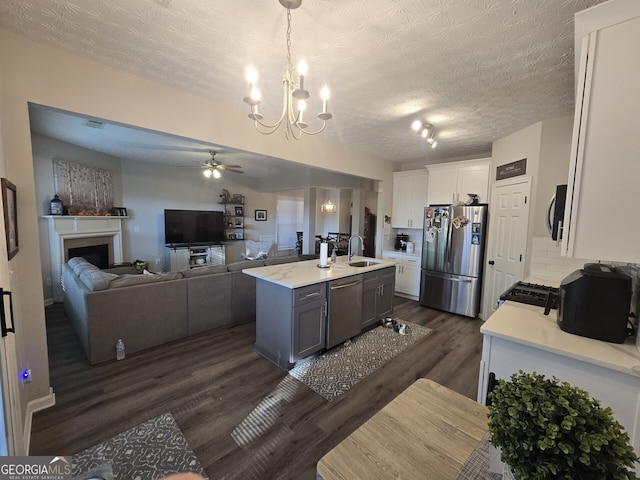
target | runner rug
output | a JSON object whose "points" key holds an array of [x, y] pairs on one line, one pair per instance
{"points": [[334, 372], [151, 450]]}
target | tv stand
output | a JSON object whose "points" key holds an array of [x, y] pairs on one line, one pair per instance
{"points": [[184, 257]]}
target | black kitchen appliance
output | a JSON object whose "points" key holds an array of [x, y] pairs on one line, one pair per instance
{"points": [[533, 294], [595, 303], [401, 241], [555, 214]]}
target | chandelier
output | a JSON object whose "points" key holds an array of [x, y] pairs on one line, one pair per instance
{"points": [[425, 130], [328, 207], [292, 116]]}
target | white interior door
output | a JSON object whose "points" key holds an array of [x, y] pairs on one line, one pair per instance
{"points": [[508, 238]]}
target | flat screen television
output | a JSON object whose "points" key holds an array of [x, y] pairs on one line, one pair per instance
{"points": [[193, 227]]}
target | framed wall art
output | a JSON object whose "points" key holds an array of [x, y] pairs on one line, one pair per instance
{"points": [[261, 215], [10, 203]]}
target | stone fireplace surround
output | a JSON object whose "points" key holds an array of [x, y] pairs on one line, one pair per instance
{"points": [[80, 231]]}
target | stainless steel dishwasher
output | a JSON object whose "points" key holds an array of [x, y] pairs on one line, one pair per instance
{"points": [[345, 309]]}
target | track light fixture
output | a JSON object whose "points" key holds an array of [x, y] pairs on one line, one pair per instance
{"points": [[425, 130]]}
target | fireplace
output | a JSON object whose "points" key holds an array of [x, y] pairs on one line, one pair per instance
{"points": [[67, 234], [96, 254]]}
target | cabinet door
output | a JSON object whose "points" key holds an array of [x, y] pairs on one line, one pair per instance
{"points": [[309, 328], [604, 168], [178, 259], [401, 200], [409, 198], [370, 290], [411, 276], [443, 185], [384, 305], [398, 278], [473, 179], [419, 199]]}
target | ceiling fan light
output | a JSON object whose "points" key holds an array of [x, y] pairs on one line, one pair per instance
{"points": [[424, 133], [207, 172], [416, 125], [216, 173]]}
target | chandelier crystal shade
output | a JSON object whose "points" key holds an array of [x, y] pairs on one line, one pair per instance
{"points": [[294, 101]]}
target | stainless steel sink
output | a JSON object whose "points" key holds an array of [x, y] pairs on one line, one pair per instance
{"points": [[363, 263]]}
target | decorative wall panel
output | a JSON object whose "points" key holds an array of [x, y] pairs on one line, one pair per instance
{"points": [[83, 189]]}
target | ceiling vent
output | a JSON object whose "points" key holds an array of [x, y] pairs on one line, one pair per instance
{"points": [[95, 124]]}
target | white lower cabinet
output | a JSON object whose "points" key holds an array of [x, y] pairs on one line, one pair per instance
{"points": [[407, 272], [620, 391]]}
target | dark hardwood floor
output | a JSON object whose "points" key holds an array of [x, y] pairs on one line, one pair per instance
{"points": [[244, 417]]}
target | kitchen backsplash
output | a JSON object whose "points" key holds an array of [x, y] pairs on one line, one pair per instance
{"points": [[547, 261], [414, 235]]}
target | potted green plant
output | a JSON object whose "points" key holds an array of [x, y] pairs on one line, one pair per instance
{"points": [[547, 429]]}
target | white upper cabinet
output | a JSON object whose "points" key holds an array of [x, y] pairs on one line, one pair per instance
{"points": [[409, 198], [604, 169], [452, 182]]}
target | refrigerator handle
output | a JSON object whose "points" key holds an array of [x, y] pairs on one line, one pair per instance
{"points": [[3, 318]]}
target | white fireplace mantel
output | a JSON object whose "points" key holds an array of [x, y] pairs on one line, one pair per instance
{"points": [[69, 227]]}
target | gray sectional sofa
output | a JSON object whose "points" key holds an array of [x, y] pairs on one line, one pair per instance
{"points": [[149, 310]]}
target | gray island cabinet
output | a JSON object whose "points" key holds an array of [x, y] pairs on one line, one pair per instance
{"points": [[377, 295], [293, 311]]}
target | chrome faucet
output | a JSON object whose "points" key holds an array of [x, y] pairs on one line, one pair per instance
{"points": [[349, 254]]}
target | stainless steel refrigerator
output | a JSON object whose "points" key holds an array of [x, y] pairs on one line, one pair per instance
{"points": [[452, 258]]}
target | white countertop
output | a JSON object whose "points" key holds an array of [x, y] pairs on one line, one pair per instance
{"points": [[301, 274], [527, 325]]}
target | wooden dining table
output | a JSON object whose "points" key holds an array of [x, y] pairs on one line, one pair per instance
{"points": [[428, 431]]}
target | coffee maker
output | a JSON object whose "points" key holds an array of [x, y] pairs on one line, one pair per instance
{"points": [[401, 241]]}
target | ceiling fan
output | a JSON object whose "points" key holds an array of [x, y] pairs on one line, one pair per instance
{"points": [[213, 167]]}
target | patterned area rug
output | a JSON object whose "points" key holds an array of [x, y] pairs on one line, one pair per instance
{"points": [[477, 465], [148, 451], [337, 370]]}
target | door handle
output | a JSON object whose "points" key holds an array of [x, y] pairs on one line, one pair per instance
{"points": [[338, 287], [491, 262]]}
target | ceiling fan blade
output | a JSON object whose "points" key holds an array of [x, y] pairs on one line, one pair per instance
{"points": [[232, 170]]}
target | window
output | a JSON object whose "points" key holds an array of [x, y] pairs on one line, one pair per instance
{"points": [[289, 219]]}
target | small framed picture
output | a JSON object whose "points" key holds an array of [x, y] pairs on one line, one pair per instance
{"points": [[261, 215], [239, 236], [239, 212], [10, 203], [232, 236], [119, 212]]}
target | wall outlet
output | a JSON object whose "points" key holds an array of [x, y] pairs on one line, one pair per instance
{"points": [[136, 228], [157, 260], [48, 281], [26, 375]]}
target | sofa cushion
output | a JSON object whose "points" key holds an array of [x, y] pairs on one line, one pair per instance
{"points": [[79, 264], [241, 265], [96, 280], [279, 260], [208, 270], [129, 280]]}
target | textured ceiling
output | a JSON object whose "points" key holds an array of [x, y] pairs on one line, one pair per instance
{"points": [[477, 70]]}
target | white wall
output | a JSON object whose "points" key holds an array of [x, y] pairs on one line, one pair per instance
{"points": [[546, 147], [41, 74]]}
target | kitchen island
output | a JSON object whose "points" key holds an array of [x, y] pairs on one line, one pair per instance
{"points": [[297, 308], [520, 337]]}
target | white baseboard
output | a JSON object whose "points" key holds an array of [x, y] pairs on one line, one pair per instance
{"points": [[35, 406]]}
